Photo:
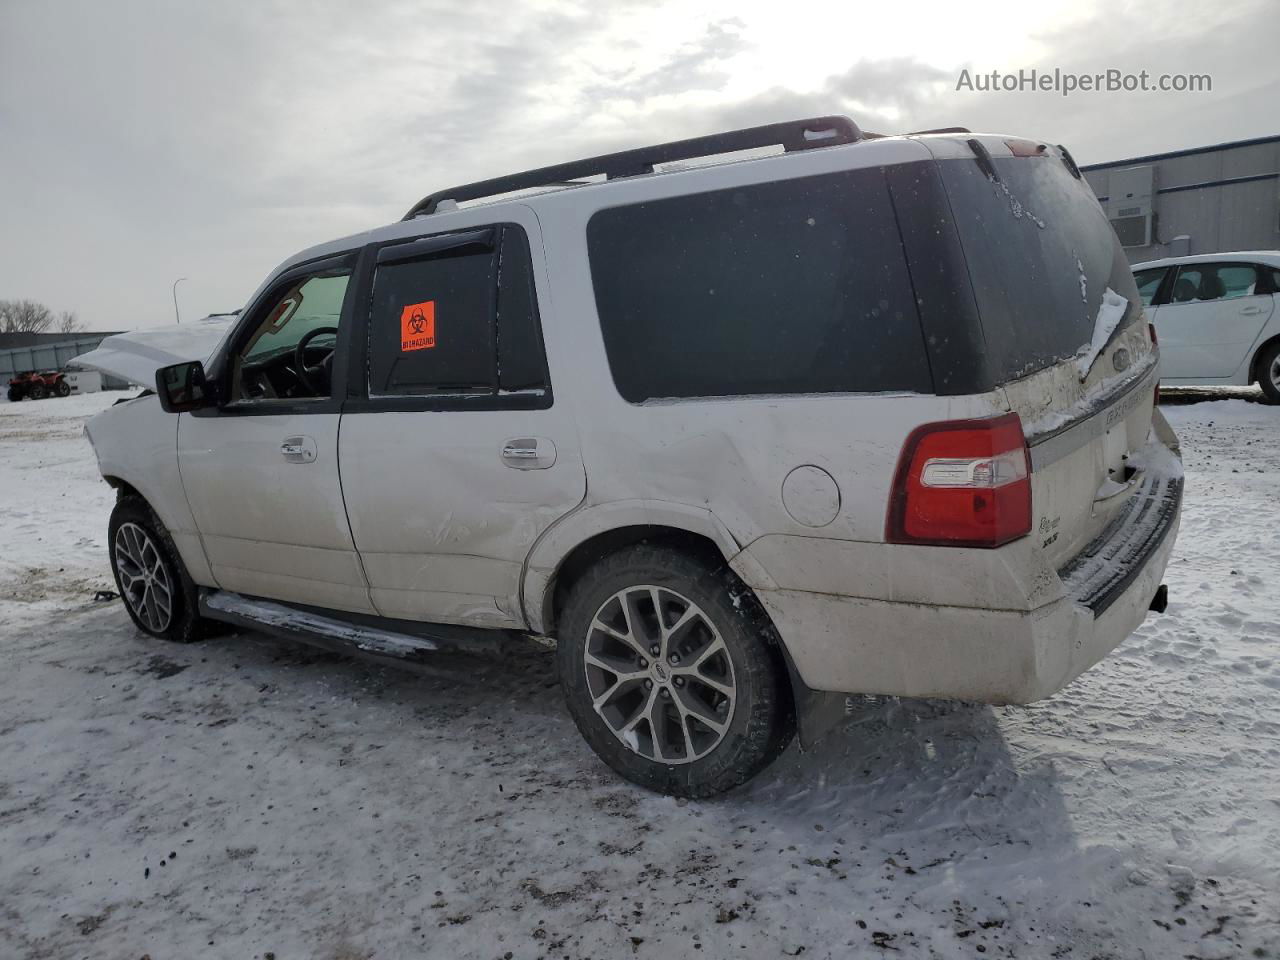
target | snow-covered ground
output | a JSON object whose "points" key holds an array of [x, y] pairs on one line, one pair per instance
{"points": [[250, 798]]}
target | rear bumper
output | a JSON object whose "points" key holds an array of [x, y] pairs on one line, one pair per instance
{"points": [[852, 644]]}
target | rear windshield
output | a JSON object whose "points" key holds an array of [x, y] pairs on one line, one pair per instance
{"points": [[1040, 255], [794, 286]]}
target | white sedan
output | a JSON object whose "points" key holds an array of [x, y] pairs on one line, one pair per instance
{"points": [[1216, 318]]}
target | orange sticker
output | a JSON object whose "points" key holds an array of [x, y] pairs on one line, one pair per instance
{"points": [[418, 326]]}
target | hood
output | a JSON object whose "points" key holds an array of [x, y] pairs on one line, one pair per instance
{"points": [[138, 355]]}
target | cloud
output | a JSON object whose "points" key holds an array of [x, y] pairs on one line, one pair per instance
{"points": [[877, 94], [151, 140], [1174, 36], [697, 65]]}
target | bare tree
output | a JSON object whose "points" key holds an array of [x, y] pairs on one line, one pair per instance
{"points": [[24, 316], [68, 322]]}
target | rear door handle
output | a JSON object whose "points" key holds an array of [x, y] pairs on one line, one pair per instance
{"points": [[529, 453], [298, 449], [1250, 311]]}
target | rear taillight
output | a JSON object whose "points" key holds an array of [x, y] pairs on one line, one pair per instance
{"points": [[962, 483]]}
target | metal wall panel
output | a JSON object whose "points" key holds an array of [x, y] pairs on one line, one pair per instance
{"points": [[1217, 216], [53, 356]]}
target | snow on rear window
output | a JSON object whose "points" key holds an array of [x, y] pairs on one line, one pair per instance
{"points": [[1041, 256]]}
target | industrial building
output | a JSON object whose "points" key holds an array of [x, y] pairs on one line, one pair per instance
{"points": [[20, 352], [1203, 200]]}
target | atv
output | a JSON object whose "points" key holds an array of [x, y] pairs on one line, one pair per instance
{"points": [[38, 385]]}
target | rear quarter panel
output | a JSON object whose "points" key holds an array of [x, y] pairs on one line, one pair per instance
{"points": [[728, 456]]}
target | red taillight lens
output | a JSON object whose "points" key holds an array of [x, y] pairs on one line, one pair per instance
{"points": [[962, 483]]}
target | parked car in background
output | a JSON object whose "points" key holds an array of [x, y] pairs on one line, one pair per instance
{"points": [[872, 415], [1216, 317]]}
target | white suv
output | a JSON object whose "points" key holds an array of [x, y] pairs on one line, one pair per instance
{"points": [[1217, 319], [872, 414]]}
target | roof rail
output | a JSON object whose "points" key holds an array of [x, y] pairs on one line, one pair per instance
{"points": [[791, 136]]}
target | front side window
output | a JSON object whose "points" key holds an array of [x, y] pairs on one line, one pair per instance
{"points": [[459, 320], [289, 354], [1210, 281], [795, 286], [1148, 282]]}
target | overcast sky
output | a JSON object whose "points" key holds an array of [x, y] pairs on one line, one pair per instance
{"points": [[145, 141]]}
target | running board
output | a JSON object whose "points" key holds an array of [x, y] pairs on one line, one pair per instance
{"points": [[406, 640]]}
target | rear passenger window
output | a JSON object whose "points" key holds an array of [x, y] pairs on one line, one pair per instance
{"points": [[1210, 281], [459, 319], [1238, 281], [795, 286]]}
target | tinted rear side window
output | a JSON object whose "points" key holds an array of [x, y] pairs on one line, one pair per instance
{"points": [[460, 320], [795, 286], [431, 326], [1040, 255]]}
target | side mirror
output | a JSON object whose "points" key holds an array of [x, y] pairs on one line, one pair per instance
{"points": [[183, 387]]}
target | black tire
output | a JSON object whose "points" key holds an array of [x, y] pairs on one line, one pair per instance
{"points": [[36, 391], [183, 624], [62, 388], [763, 718], [1269, 372], [15, 394]]}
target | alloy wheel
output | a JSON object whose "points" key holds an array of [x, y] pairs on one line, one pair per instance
{"points": [[144, 578], [659, 674]]}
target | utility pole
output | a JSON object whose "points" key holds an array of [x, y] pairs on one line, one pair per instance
{"points": [[176, 317]]}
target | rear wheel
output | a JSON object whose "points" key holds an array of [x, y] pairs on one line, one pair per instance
{"points": [[62, 388], [1269, 372], [158, 594], [672, 673], [36, 392], [15, 394]]}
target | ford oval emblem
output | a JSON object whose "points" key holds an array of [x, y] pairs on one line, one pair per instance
{"points": [[1120, 359]]}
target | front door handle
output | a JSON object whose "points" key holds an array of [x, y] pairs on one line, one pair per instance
{"points": [[529, 453], [298, 449], [1250, 311]]}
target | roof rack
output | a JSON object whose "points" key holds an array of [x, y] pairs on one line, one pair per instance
{"points": [[921, 133], [791, 136]]}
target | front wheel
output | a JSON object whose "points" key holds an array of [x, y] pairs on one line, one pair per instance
{"points": [[1269, 372], [159, 596], [672, 673], [62, 388]]}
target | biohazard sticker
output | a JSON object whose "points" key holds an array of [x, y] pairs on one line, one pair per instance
{"points": [[418, 326]]}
